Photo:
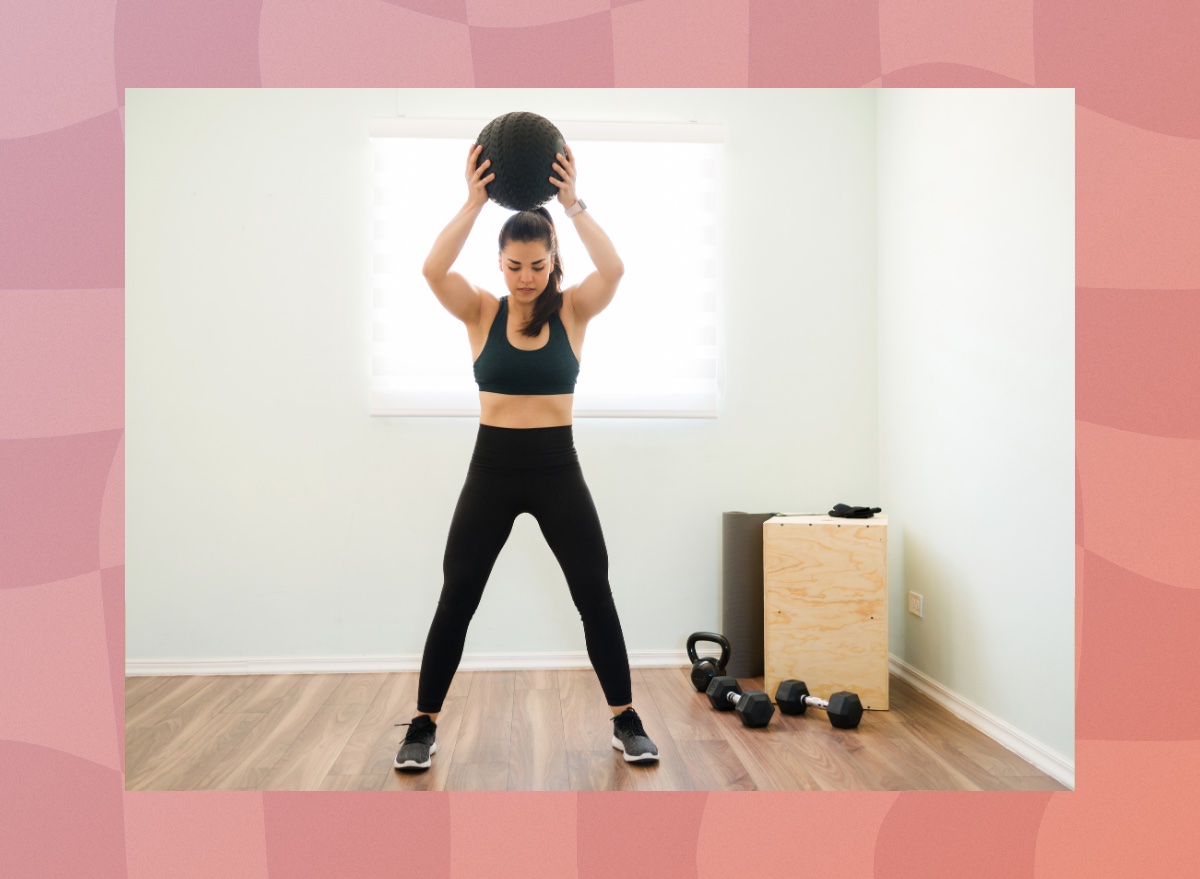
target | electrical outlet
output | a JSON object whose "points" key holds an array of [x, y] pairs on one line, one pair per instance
{"points": [[916, 604]]}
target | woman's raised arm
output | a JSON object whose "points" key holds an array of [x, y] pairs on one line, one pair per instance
{"points": [[456, 293], [450, 243]]}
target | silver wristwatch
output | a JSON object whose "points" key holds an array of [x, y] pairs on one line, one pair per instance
{"points": [[576, 208]]}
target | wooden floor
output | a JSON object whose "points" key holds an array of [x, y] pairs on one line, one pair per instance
{"points": [[535, 730]]}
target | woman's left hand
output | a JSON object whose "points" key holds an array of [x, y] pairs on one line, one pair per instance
{"points": [[566, 170]]}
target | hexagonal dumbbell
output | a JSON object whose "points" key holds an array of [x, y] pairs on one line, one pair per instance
{"points": [[844, 708], [754, 707]]}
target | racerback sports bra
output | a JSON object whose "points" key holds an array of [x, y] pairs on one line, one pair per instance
{"points": [[503, 368]]}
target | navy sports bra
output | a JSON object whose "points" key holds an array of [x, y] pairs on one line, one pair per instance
{"points": [[503, 368]]}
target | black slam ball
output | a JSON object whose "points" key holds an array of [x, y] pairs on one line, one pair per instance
{"points": [[522, 148]]}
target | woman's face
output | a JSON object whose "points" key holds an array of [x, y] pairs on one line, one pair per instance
{"points": [[526, 266]]}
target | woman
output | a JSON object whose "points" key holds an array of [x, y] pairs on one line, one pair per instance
{"points": [[526, 347]]}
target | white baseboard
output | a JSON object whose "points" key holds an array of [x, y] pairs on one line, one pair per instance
{"points": [[410, 662], [1044, 758]]}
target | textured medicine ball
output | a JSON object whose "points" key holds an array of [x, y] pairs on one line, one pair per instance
{"points": [[522, 148]]}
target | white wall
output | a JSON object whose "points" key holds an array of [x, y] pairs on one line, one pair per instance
{"points": [[268, 517], [977, 394]]}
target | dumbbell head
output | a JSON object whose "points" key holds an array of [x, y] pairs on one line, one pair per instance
{"points": [[755, 708], [718, 692], [790, 695], [845, 709]]}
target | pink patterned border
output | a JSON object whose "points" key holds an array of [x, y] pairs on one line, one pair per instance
{"points": [[63, 72]]}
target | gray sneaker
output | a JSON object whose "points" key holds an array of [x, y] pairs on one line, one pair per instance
{"points": [[630, 737], [418, 743]]}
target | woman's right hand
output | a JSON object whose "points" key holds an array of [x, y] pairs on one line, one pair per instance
{"points": [[477, 196]]}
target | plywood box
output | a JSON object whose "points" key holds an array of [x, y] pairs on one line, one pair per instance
{"points": [[825, 605]]}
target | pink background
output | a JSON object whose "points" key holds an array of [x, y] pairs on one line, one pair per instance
{"points": [[63, 71]]}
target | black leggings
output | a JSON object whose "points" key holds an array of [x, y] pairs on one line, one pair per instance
{"points": [[512, 471]]}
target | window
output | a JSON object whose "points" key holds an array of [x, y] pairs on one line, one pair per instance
{"points": [[655, 190]]}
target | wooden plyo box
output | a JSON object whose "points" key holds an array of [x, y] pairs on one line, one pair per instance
{"points": [[825, 605]]}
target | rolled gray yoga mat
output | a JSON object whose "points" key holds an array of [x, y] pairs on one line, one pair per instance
{"points": [[742, 591]]}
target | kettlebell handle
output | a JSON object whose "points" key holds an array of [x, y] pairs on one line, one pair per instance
{"points": [[714, 638]]}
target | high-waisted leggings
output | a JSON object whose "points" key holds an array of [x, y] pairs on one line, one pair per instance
{"points": [[531, 470]]}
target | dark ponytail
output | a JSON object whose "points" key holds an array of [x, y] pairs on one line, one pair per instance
{"points": [[538, 225]]}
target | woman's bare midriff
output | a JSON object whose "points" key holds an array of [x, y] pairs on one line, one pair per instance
{"points": [[525, 410]]}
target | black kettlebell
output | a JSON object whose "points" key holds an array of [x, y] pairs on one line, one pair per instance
{"points": [[522, 147], [706, 668]]}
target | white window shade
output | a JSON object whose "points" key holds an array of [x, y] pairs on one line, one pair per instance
{"points": [[655, 190]]}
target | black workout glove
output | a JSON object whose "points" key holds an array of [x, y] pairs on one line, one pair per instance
{"points": [[854, 512]]}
